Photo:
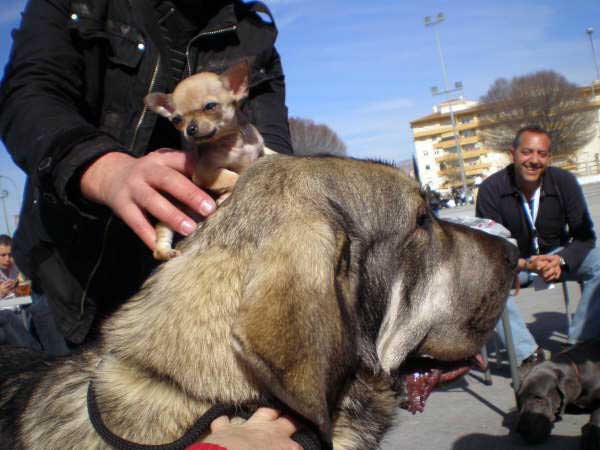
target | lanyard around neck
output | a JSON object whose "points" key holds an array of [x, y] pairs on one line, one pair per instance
{"points": [[531, 209]]}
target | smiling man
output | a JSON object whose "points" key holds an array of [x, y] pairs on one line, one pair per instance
{"points": [[544, 209]]}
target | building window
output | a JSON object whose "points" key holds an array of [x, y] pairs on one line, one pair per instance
{"points": [[427, 167], [465, 119], [467, 133], [425, 153]]}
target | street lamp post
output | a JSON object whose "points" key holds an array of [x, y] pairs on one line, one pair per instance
{"points": [[4, 195], [589, 31], [447, 91]]}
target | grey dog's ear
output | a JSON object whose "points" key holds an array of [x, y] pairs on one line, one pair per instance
{"points": [[160, 103], [294, 327], [568, 388]]}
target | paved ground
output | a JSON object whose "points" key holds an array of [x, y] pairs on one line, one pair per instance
{"points": [[469, 415]]}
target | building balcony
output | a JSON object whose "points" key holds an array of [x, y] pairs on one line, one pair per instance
{"points": [[470, 170], [465, 154], [435, 131], [449, 143]]}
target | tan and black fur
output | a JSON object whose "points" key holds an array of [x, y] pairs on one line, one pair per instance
{"points": [[205, 109], [311, 284]]}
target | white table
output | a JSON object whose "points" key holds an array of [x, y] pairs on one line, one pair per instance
{"points": [[15, 301]]}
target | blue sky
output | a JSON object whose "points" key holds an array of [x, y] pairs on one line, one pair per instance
{"points": [[366, 68]]}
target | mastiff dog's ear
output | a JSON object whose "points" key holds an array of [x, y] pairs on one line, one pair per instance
{"points": [[294, 329]]}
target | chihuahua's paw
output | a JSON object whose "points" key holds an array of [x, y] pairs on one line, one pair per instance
{"points": [[165, 254]]}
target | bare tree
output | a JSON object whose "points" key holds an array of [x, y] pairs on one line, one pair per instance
{"points": [[310, 138], [544, 98]]}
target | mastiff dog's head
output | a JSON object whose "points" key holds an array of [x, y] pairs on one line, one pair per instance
{"points": [[352, 269], [316, 268]]}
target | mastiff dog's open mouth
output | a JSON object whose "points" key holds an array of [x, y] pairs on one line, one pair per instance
{"points": [[417, 378]]}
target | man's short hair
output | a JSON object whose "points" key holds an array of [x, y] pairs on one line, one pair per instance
{"points": [[531, 129], [5, 240]]}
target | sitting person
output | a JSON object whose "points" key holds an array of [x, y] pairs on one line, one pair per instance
{"points": [[544, 209], [12, 326], [8, 269]]}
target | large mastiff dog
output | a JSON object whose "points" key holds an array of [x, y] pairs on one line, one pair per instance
{"points": [[314, 282], [571, 377]]}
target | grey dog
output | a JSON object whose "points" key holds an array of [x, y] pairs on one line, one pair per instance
{"points": [[571, 377], [313, 283]]}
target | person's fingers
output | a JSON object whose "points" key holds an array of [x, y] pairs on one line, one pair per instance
{"points": [[137, 221], [184, 162], [182, 189], [264, 414], [219, 423], [163, 210], [283, 424], [286, 425]]}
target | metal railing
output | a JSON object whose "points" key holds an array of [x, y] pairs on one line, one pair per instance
{"points": [[581, 168]]}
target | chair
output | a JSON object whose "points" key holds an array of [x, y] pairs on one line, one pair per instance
{"points": [[510, 346]]}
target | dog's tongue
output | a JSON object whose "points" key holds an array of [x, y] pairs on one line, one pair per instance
{"points": [[422, 377], [418, 387]]}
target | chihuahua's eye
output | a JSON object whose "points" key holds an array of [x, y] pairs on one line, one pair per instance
{"points": [[210, 106], [176, 120]]}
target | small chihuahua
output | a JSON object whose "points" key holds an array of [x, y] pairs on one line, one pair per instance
{"points": [[205, 109]]}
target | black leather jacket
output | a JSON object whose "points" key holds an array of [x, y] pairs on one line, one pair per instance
{"points": [[73, 90], [563, 218]]}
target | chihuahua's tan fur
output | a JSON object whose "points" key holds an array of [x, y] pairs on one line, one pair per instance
{"points": [[205, 109]]}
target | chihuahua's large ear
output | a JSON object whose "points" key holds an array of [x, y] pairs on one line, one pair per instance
{"points": [[236, 79], [295, 325], [160, 103]]}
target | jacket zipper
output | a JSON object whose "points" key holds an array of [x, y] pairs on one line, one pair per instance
{"points": [[198, 36], [110, 219], [145, 110]]}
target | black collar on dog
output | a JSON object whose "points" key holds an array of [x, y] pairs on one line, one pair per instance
{"points": [[307, 438], [192, 435]]}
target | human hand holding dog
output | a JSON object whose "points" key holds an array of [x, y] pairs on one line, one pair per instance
{"points": [[266, 429], [133, 187]]}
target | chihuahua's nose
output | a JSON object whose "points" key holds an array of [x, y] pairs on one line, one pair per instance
{"points": [[191, 130]]}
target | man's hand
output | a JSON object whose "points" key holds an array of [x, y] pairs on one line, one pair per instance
{"points": [[266, 429], [547, 266], [7, 287], [134, 187]]}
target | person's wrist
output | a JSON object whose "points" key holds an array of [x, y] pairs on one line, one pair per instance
{"points": [[563, 264]]}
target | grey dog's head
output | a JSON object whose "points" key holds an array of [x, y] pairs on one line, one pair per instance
{"points": [[541, 399]]}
